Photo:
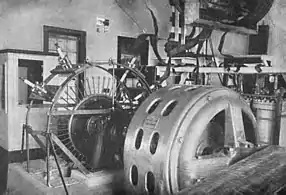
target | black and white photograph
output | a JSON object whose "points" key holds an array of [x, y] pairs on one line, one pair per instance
{"points": [[142, 97]]}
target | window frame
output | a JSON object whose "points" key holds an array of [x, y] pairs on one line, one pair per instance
{"points": [[81, 35]]}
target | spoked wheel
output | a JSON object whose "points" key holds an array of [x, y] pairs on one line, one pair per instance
{"points": [[89, 112], [182, 134]]}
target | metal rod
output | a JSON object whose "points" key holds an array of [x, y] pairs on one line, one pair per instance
{"points": [[71, 88], [66, 150], [62, 135], [118, 87], [103, 83], [47, 158], [66, 101], [82, 84], [66, 107], [87, 81], [124, 76], [68, 144], [65, 139], [93, 84], [197, 79], [70, 96], [113, 75], [28, 151], [108, 82], [72, 149], [23, 138], [80, 157], [57, 163], [61, 125], [26, 121], [23, 142], [76, 86], [278, 117], [98, 78], [231, 70], [62, 130], [112, 88], [275, 82]]}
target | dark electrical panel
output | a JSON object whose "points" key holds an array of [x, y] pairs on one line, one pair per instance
{"points": [[258, 44]]}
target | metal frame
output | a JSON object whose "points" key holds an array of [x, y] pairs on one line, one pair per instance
{"points": [[48, 134]]}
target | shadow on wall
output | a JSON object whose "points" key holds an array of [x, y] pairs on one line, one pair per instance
{"points": [[138, 12], [3, 170]]}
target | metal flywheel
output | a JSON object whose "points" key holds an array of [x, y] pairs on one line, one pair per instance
{"points": [[182, 134]]}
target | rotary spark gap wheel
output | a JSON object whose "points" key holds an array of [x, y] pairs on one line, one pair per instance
{"points": [[182, 134], [90, 111]]}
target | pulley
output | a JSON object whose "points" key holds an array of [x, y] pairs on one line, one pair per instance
{"points": [[181, 134]]}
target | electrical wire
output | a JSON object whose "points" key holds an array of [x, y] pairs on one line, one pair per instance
{"points": [[57, 163], [213, 56]]}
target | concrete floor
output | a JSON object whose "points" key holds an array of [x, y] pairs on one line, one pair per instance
{"points": [[20, 182]]}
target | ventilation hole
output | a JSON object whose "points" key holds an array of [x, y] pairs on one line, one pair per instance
{"points": [[192, 88], [169, 107], [138, 140], [154, 143], [175, 87], [134, 175], [150, 182], [153, 106]]}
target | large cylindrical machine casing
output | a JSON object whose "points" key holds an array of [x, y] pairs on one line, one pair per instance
{"points": [[164, 135], [269, 120]]}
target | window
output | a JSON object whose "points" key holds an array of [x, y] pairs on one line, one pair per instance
{"points": [[33, 71], [72, 42], [67, 43]]}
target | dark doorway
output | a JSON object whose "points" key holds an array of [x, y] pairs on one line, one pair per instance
{"points": [[33, 71], [125, 53]]}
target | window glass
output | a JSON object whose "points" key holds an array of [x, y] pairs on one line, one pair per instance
{"points": [[67, 43]]}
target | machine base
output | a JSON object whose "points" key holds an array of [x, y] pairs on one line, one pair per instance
{"points": [[20, 182]]}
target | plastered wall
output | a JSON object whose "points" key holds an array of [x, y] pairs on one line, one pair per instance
{"points": [[276, 19], [22, 23]]}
